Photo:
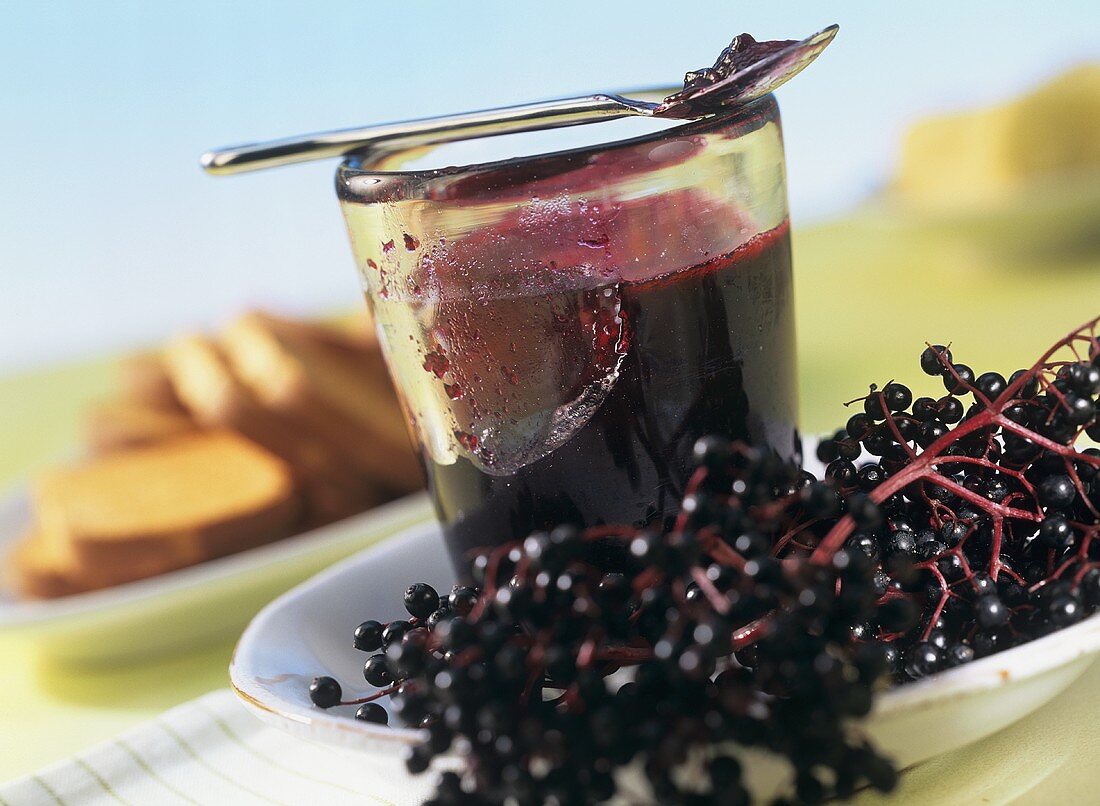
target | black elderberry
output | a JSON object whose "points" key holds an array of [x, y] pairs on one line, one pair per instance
{"points": [[991, 612], [930, 431], [957, 655], [863, 542], [1056, 492], [880, 583], [865, 512], [1018, 414], [1059, 429], [901, 541], [1064, 610], [1055, 533], [989, 642], [442, 614], [925, 536], [874, 407], [408, 657], [950, 409], [394, 631], [843, 473], [953, 532], [826, 451], [891, 658], [909, 428], [372, 712], [951, 566], [1087, 472], [939, 639], [897, 396], [858, 426], [991, 384], [983, 583], [878, 441], [1056, 587], [870, 476], [995, 490], [1011, 592], [922, 660], [450, 788], [376, 671], [1083, 378], [1080, 410], [1029, 388], [925, 408], [421, 600], [417, 759], [934, 359], [805, 479], [368, 636], [1090, 587], [1048, 464], [325, 692], [900, 522], [960, 380], [930, 549]]}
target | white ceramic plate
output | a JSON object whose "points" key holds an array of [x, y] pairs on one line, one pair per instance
{"points": [[176, 611], [307, 632]]}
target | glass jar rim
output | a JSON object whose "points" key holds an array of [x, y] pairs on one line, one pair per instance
{"points": [[356, 169]]}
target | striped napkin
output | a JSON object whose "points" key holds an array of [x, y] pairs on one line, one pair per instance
{"points": [[212, 751]]}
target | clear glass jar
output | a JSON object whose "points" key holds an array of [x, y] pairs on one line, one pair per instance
{"points": [[562, 327]]}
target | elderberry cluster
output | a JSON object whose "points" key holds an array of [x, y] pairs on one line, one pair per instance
{"points": [[944, 529], [584, 653], [988, 511]]}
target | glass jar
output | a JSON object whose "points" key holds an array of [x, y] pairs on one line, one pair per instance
{"points": [[563, 327]]}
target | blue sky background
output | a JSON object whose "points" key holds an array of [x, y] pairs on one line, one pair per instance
{"points": [[112, 236]]}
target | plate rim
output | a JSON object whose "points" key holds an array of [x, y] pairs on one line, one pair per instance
{"points": [[289, 717]]}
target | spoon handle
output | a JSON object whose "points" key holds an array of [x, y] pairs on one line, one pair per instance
{"points": [[427, 131]]}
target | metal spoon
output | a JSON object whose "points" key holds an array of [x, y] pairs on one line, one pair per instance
{"points": [[720, 93]]}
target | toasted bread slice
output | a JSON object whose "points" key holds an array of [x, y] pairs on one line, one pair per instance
{"points": [[119, 424], [341, 394], [144, 381], [41, 570], [45, 567], [350, 332], [169, 505], [216, 397]]}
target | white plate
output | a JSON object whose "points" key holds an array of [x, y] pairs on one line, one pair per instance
{"points": [[179, 610], [307, 632]]}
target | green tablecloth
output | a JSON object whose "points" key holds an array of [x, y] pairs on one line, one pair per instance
{"points": [[870, 293]]}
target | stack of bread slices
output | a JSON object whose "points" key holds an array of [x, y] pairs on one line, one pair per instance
{"points": [[216, 445]]}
